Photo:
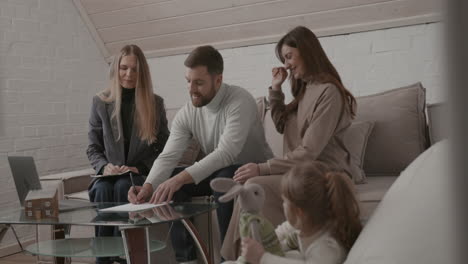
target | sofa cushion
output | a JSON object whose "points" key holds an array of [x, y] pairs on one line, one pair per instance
{"points": [[83, 195], [355, 140], [375, 188], [400, 131], [414, 221], [72, 181], [371, 193], [273, 137]]}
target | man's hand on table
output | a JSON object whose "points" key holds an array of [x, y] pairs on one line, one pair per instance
{"points": [[165, 191]]}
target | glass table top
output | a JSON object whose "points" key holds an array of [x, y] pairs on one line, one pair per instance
{"points": [[92, 216], [85, 247]]}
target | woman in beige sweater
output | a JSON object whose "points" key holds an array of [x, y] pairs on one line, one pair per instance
{"points": [[313, 124]]}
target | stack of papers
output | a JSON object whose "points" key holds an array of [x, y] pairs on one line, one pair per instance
{"points": [[130, 207]]}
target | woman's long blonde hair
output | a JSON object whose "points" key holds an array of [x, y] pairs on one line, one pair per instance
{"points": [[327, 199], [145, 116]]}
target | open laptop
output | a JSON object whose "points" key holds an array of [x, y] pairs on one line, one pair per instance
{"points": [[26, 178]]}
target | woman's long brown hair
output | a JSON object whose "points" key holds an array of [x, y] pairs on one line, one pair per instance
{"points": [[318, 67], [145, 104], [327, 199]]}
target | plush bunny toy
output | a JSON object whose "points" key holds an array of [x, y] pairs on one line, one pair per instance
{"points": [[251, 198]]}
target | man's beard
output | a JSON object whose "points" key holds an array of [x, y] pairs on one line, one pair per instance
{"points": [[203, 100]]}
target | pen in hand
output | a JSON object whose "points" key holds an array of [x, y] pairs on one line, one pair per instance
{"points": [[133, 184]]}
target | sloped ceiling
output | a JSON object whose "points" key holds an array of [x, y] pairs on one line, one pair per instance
{"points": [[168, 27]]}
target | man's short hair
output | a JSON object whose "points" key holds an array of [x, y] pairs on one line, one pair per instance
{"points": [[206, 56]]}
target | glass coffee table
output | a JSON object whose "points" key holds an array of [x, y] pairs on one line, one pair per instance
{"points": [[135, 242]]}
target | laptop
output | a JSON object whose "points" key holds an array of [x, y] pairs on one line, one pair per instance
{"points": [[26, 178]]}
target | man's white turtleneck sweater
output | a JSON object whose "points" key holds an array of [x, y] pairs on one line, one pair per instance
{"points": [[228, 129]]}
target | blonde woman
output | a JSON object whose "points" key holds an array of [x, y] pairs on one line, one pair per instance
{"points": [[127, 131]]}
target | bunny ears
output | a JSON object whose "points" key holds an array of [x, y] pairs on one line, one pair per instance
{"points": [[227, 185]]}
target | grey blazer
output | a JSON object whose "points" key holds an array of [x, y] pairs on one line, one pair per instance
{"points": [[103, 148]]}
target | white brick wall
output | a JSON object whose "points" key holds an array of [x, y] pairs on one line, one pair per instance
{"points": [[368, 62], [50, 68]]}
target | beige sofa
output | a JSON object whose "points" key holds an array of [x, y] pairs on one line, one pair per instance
{"points": [[389, 132], [414, 222]]}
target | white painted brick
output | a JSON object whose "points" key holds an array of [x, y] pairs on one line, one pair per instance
{"points": [[405, 31], [31, 97], [57, 164], [22, 12], [44, 15], [38, 108], [25, 25], [9, 120], [26, 49], [6, 145], [49, 4], [12, 108], [77, 139], [79, 118], [59, 108], [35, 62], [10, 61], [28, 85], [68, 130], [36, 119], [391, 44], [57, 130], [30, 3], [5, 23], [25, 144], [29, 131], [42, 131], [10, 132], [12, 36], [351, 49], [7, 10], [53, 141]]}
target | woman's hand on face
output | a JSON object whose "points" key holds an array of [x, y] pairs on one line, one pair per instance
{"points": [[279, 75], [252, 251], [246, 172]]}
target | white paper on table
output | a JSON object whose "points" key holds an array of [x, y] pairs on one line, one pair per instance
{"points": [[130, 207]]}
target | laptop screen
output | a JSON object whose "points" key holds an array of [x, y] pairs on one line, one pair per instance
{"points": [[24, 174]]}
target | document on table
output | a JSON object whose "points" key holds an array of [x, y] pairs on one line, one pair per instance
{"points": [[130, 207]]}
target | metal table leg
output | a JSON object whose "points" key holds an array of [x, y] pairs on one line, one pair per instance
{"points": [[196, 237]]}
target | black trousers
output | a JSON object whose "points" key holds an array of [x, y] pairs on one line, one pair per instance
{"points": [[182, 242]]}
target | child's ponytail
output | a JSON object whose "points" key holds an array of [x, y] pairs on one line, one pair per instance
{"points": [[343, 208]]}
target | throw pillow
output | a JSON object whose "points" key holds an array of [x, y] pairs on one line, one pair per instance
{"points": [[400, 129], [355, 140]]}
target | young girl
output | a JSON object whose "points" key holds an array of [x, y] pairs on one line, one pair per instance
{"points": [[322, 218]]}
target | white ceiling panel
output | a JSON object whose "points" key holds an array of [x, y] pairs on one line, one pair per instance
{"points": [[176, 26]]}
